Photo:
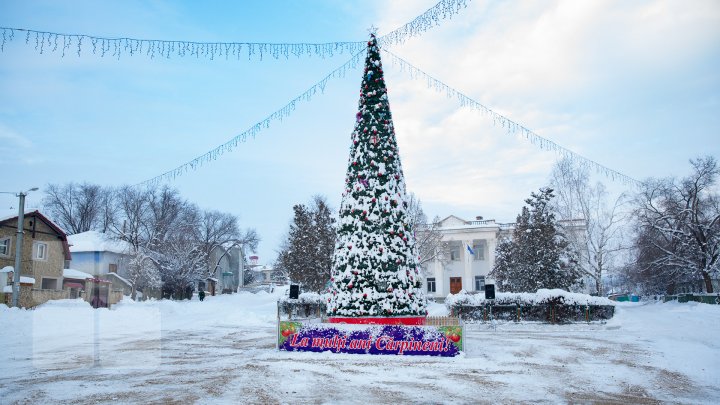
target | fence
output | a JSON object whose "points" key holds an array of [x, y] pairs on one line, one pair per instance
{"points": [[550, 313], [704, 298], [442, 321]]}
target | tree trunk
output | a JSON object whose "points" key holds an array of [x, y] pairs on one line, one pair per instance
{"points": [[708, 282]]}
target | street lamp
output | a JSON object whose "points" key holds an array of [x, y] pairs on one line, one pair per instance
{"points": [[18, 245]]}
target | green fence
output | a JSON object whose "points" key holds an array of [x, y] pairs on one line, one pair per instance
{"points": [[703, 298]]}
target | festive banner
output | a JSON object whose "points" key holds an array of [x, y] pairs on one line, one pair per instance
{"points": [[445, 341]]}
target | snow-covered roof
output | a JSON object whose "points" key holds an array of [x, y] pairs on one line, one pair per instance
{"points": [[115, 275], [72, 273], [94, 241], [23, 279], [8, 213]]}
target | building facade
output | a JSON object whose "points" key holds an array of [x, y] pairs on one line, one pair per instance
{"points": [[468, 259]]}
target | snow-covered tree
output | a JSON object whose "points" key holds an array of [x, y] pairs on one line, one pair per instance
{"points": [[306, 255], [142, 273], [678, 225], [598, 240], [538, 256], [375, 270]]}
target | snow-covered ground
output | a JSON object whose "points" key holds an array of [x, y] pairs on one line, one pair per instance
{"points": [[222, 350]]}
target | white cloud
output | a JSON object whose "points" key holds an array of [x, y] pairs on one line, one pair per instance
{"points": [[552, 66], [11, 140]]}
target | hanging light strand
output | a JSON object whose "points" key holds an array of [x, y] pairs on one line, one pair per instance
{"points": [[254, 130], [510, 126], [54, 42], [445, 9]]}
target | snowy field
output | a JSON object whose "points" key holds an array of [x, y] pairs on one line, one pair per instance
{"points": [[222, 350]]}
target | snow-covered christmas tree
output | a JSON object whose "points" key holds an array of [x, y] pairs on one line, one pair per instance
{"points": [[375, 271]]}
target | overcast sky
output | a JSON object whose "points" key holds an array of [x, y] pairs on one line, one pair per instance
{"points": [[634, 86]]}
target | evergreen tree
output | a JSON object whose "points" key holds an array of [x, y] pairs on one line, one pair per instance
{"points": [[538, 256], [307, 254], [375, 270]]}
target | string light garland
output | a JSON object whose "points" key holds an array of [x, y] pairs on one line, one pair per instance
{"points": [[510, 126], [44, 41], [445, 9], [278, 115], [54, 42]]}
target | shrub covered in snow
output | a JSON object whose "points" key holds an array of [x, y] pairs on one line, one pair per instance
{"points": [[307, 305], [555, 306], [542, 296], [305, 298]]}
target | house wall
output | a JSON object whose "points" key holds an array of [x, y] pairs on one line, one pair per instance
{"points": [[38, 297], [30, 297], [98, 263], [51, 267]]}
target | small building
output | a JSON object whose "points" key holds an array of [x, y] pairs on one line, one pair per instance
{"points": [[44, 255], [75, 282], [470, 256], [104, 258]]}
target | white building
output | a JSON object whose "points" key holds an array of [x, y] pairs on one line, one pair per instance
{"points": [[471, 256]]}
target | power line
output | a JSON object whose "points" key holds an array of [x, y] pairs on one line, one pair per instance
{"points": [[509, 125]]}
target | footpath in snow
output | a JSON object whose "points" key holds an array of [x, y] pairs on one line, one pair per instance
{"points": [[222, 350]]}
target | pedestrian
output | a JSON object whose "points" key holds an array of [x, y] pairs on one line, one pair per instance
{"points": [[201, 294]]}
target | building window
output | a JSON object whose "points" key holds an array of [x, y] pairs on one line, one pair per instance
{"points": [[49, 284], [431, 284], [455, 252], [5, 246], [112, 268], [40, 251], [479, 283], [479, 249]]}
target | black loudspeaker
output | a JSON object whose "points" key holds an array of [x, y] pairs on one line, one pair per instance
{"points": [[294, 291], [489, 291]]}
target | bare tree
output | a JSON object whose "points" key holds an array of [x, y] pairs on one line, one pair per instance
{"points": [[428, 238], [679, 226], [79, 207], [217, 229], [591, 224], [131, 209]]}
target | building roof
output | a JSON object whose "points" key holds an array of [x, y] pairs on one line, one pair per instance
{"points": [[453, 222], [76, 274], [94, 241], [7, 216]]}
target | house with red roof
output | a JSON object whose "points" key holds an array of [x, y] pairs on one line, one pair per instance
{"points": [[45, 254]]}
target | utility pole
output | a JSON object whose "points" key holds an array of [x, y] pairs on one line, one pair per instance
{"points": [[19, 248]]}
